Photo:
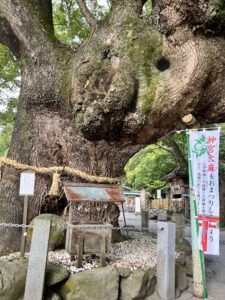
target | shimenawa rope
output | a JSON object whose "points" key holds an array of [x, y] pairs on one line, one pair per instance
{"points": [[55, 171]]}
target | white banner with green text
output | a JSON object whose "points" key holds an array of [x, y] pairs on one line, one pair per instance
{"points": [[204, 163]]}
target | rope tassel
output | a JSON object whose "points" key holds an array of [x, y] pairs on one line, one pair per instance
{"points": [[55, 188]]}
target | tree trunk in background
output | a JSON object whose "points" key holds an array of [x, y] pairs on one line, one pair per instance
{"points": [[128, 85]]}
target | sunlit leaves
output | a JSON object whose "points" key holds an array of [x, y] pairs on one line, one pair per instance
{"points": [[9, 84], [9, 72], [5, 138], [70, 26], [147, 167]]}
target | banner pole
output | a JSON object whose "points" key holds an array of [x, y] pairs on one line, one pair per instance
{"points": [[197, 255]]}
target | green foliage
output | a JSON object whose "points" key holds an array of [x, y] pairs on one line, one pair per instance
{"points": [[9, 71], [147, 167], [5, 138], [7, 116], [70, 26], [9, 83], [148, 8]]}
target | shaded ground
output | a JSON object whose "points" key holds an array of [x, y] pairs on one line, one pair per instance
{"points": [[215, 275], [215, 265]]}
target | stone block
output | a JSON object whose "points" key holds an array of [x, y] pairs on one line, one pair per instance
{"points": [[181, 281], [13, 278], [57, 233], [138, 285], [95, 284]]}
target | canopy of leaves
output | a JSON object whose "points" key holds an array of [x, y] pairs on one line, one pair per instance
{"points": [[9, 73], [9, 86], [70, 26], [147, 167], [5, 138], [7, 117]]}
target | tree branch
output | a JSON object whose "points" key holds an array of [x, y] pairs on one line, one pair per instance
{"points": [[164, 148], [8, 38], [178, 153], [27, 24], [86, 13]]}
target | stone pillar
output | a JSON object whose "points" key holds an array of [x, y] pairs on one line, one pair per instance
{"points": [[143, 197], [180, 222], [35, 279], [144, 219], [166, 260]]}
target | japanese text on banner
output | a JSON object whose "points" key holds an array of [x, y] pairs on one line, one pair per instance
{"points": [[204, 149]]}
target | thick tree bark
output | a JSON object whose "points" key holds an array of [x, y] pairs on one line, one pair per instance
{"points": [[94, 107]]}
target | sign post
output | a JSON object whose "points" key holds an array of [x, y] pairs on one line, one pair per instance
{"points": [[203, 149], [27, 181]]}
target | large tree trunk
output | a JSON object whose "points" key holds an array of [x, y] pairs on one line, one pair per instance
{"points": [[93, 107], [61, 120]]}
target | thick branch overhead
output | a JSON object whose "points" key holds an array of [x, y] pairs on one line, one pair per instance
{"points": [[28, 26], [86, 13], [8, 38]]}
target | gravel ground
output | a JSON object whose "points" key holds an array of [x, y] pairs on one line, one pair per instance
{"points": [[135, 253]]}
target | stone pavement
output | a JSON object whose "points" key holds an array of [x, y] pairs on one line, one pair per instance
{"points": [[215, 276], [216, 282], [215, 265]]}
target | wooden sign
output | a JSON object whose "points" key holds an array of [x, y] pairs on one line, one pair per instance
{"points": [[159, 194], [27, 181]]}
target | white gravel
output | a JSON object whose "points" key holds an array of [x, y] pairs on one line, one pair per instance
{"points": [[138, 252]]}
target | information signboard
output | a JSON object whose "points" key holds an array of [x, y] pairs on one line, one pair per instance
{"points": [[204, 156], [27, 181]]}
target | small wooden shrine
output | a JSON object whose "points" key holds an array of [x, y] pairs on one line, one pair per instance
{"points": [[90, 236]]}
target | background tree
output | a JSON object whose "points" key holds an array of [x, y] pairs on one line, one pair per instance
{"points": [[93, 106], [150, 165], [9, 84], [147, 167]]}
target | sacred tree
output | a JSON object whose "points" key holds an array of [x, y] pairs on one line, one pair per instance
{"points": [[129, 84]]}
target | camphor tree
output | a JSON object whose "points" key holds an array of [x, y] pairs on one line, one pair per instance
{"points": [[129, 84]]}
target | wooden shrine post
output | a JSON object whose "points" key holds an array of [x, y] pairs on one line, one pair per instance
{"points": [[27, 181]]}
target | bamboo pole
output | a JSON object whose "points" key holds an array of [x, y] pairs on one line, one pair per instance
{"points": [[197, 255]]}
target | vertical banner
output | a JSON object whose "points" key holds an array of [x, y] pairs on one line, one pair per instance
{"points": [[204, 156]]}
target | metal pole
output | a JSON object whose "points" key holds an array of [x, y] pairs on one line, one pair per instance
{"points": [[197, 255], [24, 230]]}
